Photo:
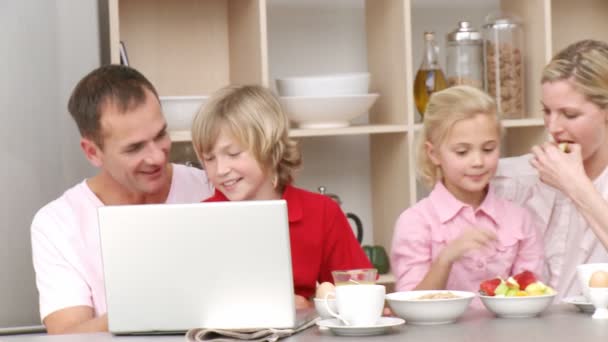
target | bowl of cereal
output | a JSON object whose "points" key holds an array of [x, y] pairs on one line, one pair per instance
{"points": [[429, 307]]}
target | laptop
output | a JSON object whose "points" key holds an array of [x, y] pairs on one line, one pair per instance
{"points": [[220, 265]]}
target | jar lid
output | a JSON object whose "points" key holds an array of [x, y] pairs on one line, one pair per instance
{"points": [[499, 20], [465, 31]]}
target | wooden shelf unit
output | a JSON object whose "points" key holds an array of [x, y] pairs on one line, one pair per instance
{"points": [[193, 47]]}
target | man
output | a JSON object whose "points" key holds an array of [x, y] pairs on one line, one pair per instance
{"points": [[124, 134]]}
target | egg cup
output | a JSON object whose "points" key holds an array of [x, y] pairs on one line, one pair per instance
{"points": [[599, 298]]}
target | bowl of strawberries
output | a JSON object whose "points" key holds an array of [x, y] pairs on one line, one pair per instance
{"points": [[521, 295]]}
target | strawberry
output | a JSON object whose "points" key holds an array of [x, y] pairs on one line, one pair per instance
{"points": [[487, 287], [524, 279]]}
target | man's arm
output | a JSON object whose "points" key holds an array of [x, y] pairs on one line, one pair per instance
{"points": [[76, 319]]}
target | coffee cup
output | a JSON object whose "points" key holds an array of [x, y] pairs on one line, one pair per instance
{"points": [[356, 276], [584, 273], [358, 305]]}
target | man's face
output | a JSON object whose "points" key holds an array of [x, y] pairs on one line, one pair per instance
{"points": [[135, 147]]}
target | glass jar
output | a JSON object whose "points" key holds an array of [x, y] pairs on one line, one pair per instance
{"points": [[465, 56], [504, 64], [430, 77]]}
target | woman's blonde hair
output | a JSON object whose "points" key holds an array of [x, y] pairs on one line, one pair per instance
{"points": [[586, 64], [254, 117], [446, 108]]}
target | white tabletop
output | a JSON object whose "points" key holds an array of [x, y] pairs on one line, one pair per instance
{"points": [[559, 323]]}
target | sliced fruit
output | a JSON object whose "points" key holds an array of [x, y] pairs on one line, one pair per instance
{"points": [[524, 279], [487, 287], [512, 283], [501, 289]]}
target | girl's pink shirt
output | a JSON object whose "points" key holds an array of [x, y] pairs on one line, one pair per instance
{"points": [[424, 230], [569, 240]]}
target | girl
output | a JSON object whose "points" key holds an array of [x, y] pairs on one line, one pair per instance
{"points": [[574, 219], [461, 234], [241, 138]]}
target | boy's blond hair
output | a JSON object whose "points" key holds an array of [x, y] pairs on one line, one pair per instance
{"points": [[446, 108], [254, 117], [585, 63]]}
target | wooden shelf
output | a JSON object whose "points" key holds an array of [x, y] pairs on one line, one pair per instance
{"points": [[507, 123], [184, 136]]}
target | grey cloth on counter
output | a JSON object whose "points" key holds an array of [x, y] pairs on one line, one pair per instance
{"points": [[253, 335]]}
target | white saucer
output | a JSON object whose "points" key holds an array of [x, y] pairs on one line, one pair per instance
{"points": [[383, 325], [581, 303]]}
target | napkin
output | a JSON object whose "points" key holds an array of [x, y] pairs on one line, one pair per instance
{"points": [[253, 335]]}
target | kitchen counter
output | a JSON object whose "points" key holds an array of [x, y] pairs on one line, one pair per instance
{"points": [[559, 323]]}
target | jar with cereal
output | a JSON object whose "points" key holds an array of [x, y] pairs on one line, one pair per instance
{"points": [[464, 56], [504, 64]]}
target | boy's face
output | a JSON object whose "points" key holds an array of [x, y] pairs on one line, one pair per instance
{"points": [[468, 157], [235, 172], [135, 147]]}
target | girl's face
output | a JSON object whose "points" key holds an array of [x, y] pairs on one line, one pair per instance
{"points": [[468, 157], [235, 172], [570, 117]]}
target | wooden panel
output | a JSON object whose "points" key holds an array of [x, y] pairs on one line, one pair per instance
{"points": [[180, 45], [519, 140], [388, 59], [390, 183], [576, 20], [248, 42], [535, 15]]}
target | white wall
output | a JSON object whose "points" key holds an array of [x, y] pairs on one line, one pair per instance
{"points": [[47, 47]]}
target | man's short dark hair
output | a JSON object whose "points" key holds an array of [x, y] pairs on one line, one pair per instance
{"points": [[118, 85]]}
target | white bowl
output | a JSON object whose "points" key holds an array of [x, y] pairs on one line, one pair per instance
{"points": [[517, 307], [407, 305], [584, 273], [180, 110], [322, 310], [326, 111], [324, 85]]}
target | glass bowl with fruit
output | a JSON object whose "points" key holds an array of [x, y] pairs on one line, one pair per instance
{"points": [[521, 295]]}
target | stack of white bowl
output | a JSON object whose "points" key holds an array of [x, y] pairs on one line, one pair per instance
{"points": [[325, 101]]}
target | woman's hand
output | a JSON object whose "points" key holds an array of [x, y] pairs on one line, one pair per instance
{"points": [[471, 239], [559, 169]]}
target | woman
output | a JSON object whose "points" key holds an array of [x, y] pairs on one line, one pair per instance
{"points": [[567, 190]]}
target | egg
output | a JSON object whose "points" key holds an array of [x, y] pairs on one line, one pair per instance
{"points": [[599, 279], [325, 288]]}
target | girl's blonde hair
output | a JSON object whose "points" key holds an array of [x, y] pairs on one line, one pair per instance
{"points": [[254, 117], [586, 64], [446, 108]]}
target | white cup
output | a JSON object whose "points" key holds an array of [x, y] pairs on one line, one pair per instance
{"points": [[584, 273], [358, 305]]}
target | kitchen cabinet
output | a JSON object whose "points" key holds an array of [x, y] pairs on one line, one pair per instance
{"points": [[192, 47]]}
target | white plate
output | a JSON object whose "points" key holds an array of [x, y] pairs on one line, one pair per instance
{"points": [[581, 303], [383, 325]]}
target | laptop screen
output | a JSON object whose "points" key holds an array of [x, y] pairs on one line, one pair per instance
{"points": [[173, 267]]}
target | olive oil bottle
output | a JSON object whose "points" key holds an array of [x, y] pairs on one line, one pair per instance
{"points": [[429, 77]]}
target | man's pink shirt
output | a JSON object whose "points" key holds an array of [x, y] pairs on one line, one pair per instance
{"points": [[65, 243], [424, 230]]}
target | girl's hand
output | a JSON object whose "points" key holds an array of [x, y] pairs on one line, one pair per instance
{"points": [[559, 169], [471, 239]]}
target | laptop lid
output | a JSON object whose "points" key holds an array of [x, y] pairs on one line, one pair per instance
{"points": [[172, 267]]}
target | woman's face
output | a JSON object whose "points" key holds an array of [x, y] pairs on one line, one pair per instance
{"points": [[570, 117]]}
